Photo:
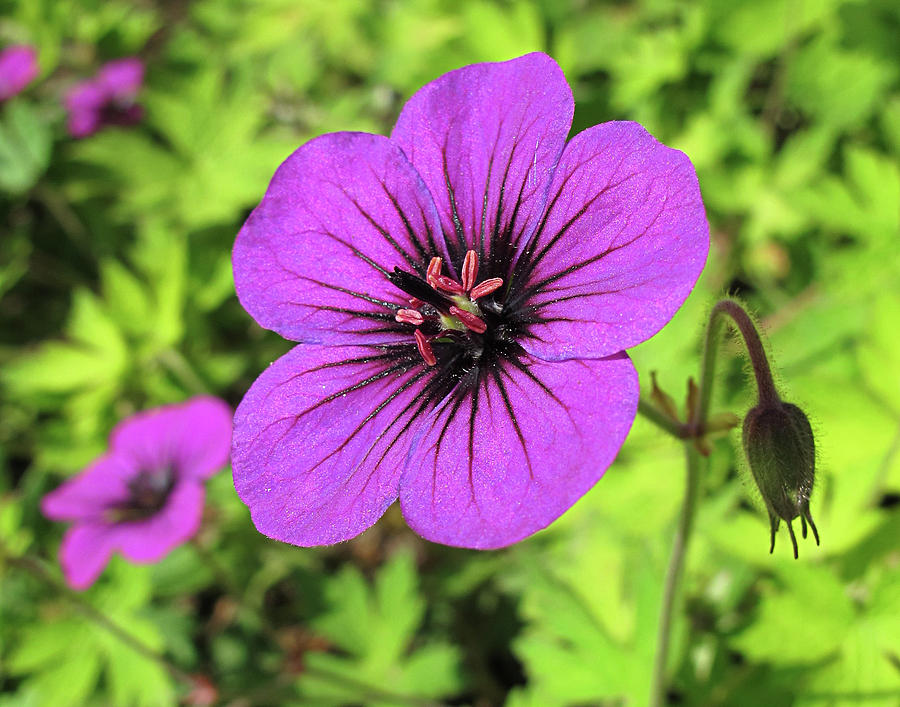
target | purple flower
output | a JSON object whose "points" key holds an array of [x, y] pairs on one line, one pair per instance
{"points": [[18, 68], [463, 292], [107, 99], [145, 495]]}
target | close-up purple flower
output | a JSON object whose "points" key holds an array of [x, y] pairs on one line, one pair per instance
{"points": [[463, 293], [144, 497], [18, 68], [107, 99]]}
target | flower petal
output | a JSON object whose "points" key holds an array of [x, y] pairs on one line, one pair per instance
{"points": [[620, 247], [341, 213], [485, 139], [194, 437], [85, 550], [321, 438], [88, 496], [177, 522], [122, 78], [536, 438], [18, 68]]}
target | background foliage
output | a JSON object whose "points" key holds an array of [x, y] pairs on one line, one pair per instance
{"points": [[116, 294]]}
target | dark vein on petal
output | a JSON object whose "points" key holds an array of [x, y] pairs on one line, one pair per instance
{"points": [[413, 237], [501, 386], [457, 225], [384, 233]]}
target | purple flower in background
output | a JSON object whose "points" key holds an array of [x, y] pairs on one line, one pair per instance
{"points": [[145, 495], [18, 68], [463, 292], [107, 99]]}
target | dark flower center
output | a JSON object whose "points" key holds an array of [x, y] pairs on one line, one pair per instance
{"points": [[148, 493], [461, 324], [122, 112]]}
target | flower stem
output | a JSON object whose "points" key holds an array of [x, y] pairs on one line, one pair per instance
{"points": [[178, 365], [658, 418], [674, 573], [697, 421], [765, 386]]}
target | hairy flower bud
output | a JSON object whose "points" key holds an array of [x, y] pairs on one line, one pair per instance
{"points": [[778, 441]]}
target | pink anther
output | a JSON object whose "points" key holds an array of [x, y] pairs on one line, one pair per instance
{"points": [[409, 316], [486, 287], [434, 270], [469, 270], [416, 303], [424, 347], [447, 284], [472, 322]]}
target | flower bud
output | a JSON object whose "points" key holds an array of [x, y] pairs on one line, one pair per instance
{"points": [[780, 449]]}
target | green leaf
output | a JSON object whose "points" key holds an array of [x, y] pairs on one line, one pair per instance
{"points": [[805, 620], [25, 142], [840, 88], [376, 626], [96, 354]]}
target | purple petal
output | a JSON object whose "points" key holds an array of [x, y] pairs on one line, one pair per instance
{"points": [[87, 96], [486, 475], [122, 78], [193, 437], [312, 260], [485, 139], [620, 248], [85, 550], [18, 68], [321, 438], [177, 522], [89, 495], [85, 102]]}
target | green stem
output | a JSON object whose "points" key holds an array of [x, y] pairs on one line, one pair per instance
{"points": [[660, 419], [765, 386], [697, 420], [674, 573], [178, 365]]}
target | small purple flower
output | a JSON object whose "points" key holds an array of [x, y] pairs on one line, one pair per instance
{"points": [[463, 292], [18, 68], [145, 495], [107, 99]]}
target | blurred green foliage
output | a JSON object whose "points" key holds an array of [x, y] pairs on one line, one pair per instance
{"points": [[116, 294]]}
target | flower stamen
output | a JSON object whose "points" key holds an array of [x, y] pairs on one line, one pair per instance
{"points": [[469, 270], [471, 321], [486, 288], [434, 271], [410, 316], [424, 347], [448, 284]]}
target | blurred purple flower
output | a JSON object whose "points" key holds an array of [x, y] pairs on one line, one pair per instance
{"points": [[464, 291], [145, 495], [107, 99], [18, 68]]}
